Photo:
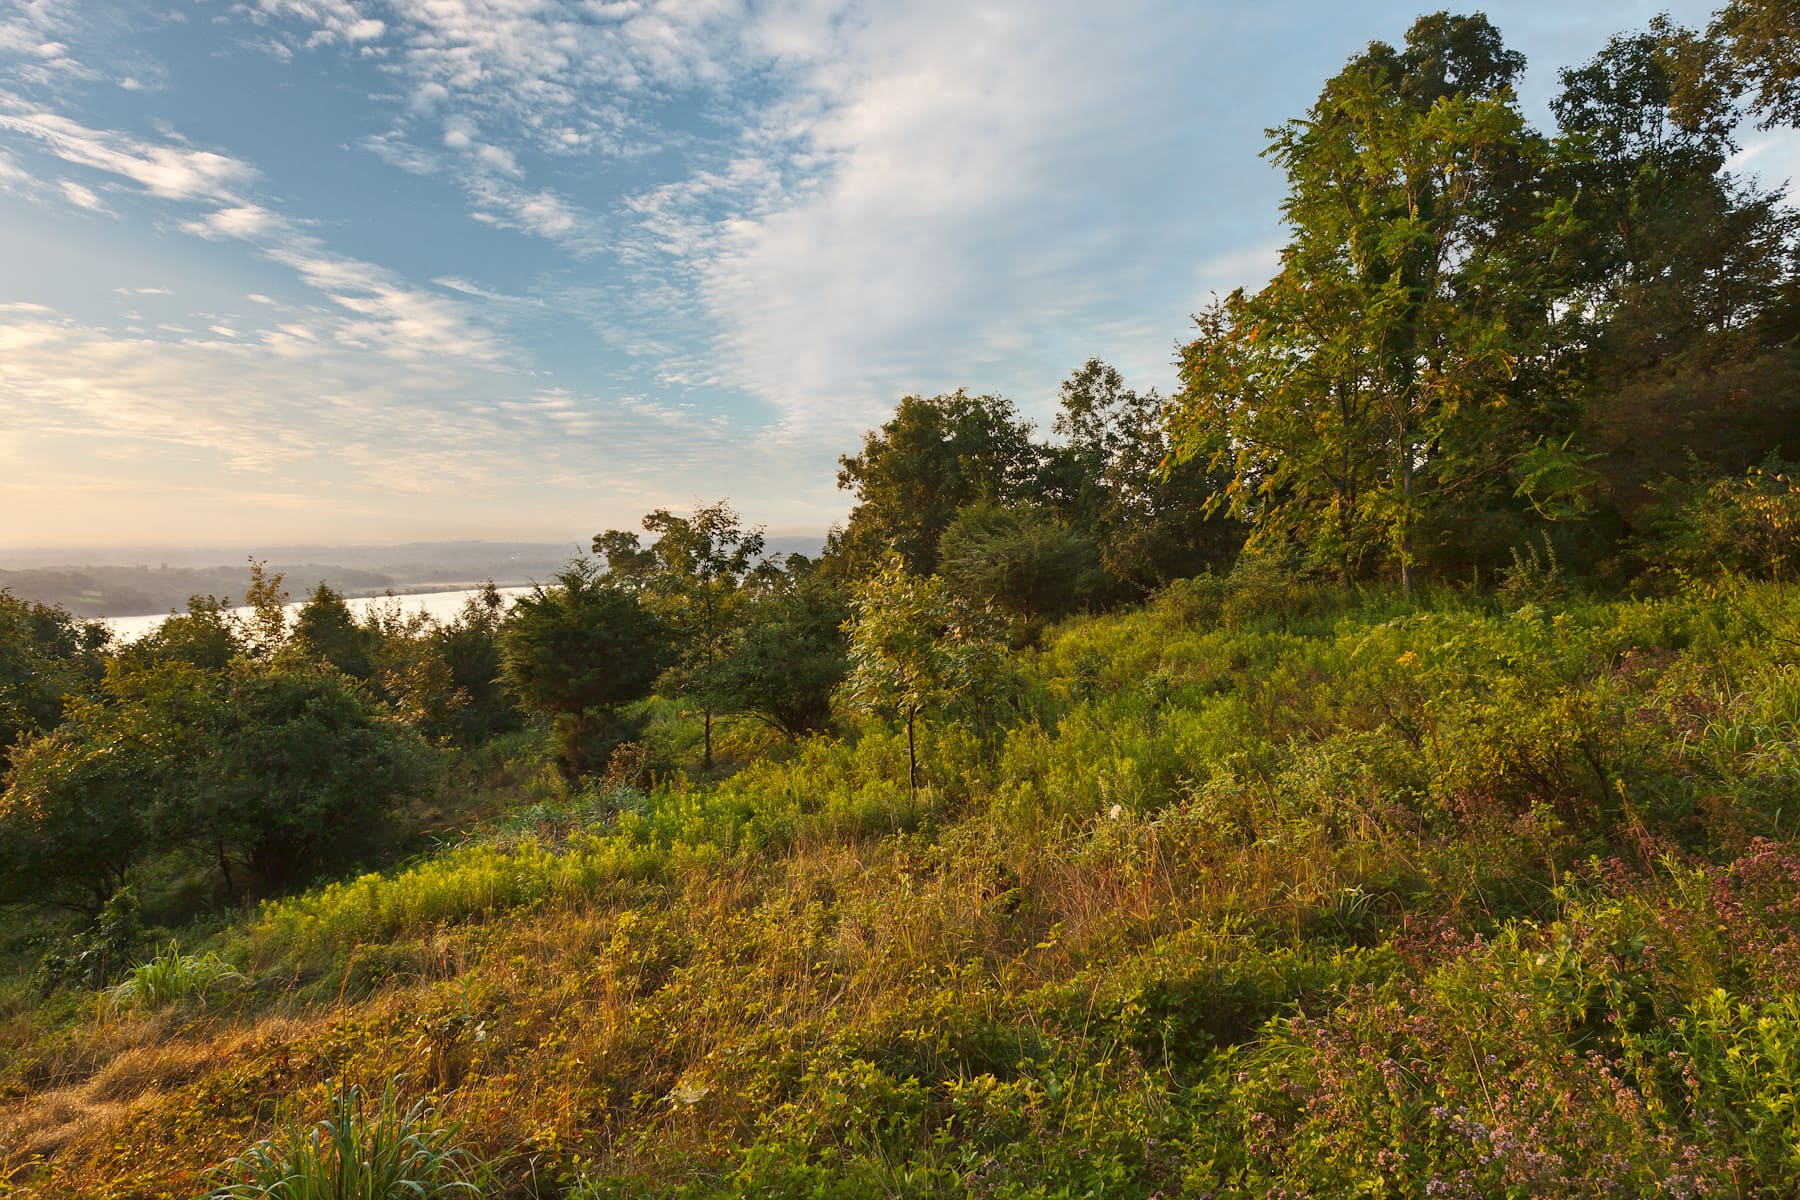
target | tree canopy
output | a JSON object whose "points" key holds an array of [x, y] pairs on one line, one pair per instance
{"points": [[578, 649], [933, 457]]}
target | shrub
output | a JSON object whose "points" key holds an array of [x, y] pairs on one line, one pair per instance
{"points": [[1190, 603], [1534, 578], [97, 952], [1748, 523]]}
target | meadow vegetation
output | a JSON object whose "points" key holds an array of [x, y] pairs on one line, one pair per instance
{"points": [[1435, 897]]}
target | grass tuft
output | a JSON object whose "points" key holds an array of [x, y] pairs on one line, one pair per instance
{"points": [[172, 977], [355, 1154]]}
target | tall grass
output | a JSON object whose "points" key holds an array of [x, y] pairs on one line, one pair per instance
{"points": [[356, 1154], [172, 977]]}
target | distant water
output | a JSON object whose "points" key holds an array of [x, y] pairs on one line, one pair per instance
{"points": [[439, 606]]}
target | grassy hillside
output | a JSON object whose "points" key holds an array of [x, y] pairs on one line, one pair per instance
{"points": [[1240, 894]]}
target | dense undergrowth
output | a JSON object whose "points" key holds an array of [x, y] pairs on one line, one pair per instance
{"points": [[1303, 897]]}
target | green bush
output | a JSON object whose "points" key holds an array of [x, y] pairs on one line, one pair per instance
{"points": [[1748, 523]]}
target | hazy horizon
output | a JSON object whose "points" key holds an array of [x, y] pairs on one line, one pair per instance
{"points": [[118, 581], [151, 554]]}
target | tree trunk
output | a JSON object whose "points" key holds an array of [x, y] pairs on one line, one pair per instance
{"points": [[225, 871], [1406, 513], [912, 759], [706, 757]]}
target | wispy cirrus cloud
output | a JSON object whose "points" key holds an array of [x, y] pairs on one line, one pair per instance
{"points": [[292, 401], [926, 201], [166, 169], [81, 197], [374, 307], [34, 42], [870, 198]]}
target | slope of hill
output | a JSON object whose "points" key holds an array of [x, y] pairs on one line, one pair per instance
{"points": [[1232, 896]]}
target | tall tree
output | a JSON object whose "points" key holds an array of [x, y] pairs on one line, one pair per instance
{"points": [[1752, 48], [469, 646], [74, 812], [206, 635], [1373, 378], [326, 630], [1019, 559], [692, 576], [267, 764], [933, 457], [47, 659], [1686, 275], [1112, 480], [576, 651], [266, 628], [290, 759], [914, 650], [788, 654]]}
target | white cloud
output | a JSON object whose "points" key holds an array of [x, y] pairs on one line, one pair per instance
{"points": [[32, 35], [198, 424], [385, 314], [329, 20], [1772, 158], [28, 24], [243, 221], [468, 288], [171, 170], [1249, 268], [233, 395], [559, 79], [393, 148], [81, 197], [541, 213], [941, 193], [917, 195]]}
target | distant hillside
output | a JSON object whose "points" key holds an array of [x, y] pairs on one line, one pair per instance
{"points": [[135, 582], [135, 591]]}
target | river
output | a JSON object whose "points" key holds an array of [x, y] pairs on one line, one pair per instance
{"points": [[439, 606]]}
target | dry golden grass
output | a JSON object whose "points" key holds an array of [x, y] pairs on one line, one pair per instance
{"points": [[651, 1033]]}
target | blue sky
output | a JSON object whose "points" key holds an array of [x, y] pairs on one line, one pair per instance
{"points": [[348, 271]]}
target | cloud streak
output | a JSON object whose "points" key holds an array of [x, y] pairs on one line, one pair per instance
{"points": [[169, 170]]}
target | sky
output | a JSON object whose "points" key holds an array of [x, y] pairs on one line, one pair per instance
{"points": [[351, 271]]}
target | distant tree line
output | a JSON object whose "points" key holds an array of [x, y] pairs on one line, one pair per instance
{"points": [[254, 748]]}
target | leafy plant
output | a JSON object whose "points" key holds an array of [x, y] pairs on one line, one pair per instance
{"points": [[1533, 577], [914, 650], [171, 977], [95, 954], [355, 1154]]}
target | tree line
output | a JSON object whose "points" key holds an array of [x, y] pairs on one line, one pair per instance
{"points": [[1481, 333]]}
